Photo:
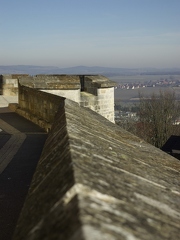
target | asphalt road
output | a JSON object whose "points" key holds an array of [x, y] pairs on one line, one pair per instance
{"points": [[21, 144]]}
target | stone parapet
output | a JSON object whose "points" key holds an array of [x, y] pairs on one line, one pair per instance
{"points": [[95, 181], [103, 103], [73, 95], [93, 91], [37, 106], [64, 82], [9, 84], [94, 82]]}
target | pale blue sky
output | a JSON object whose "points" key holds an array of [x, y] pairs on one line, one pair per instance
{"points": [[112, 33]]}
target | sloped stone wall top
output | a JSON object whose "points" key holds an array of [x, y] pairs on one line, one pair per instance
{"points": [[51, 81], [100, 81], [96, 181]]}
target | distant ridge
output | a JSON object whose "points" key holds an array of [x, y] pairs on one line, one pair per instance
{"points": [[107, 71]]}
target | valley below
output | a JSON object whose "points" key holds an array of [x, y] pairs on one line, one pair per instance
{"points": [[129, 87]]}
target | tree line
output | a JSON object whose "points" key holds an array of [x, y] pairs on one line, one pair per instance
{"points": [[156, 118]]}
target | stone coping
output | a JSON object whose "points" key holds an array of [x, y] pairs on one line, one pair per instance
{"points": [[94, 180], [64, 81], [100, 81]]}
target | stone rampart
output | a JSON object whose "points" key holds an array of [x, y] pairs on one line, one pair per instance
{"points": [[72, 94], [95, 92], [106, 102], [9, 84], [37, 106], [95, 181], [51, 82], [98, 95], [102, 103]]}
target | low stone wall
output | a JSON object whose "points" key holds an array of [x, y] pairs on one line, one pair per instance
{"points": [[95, 92], [9, 84], [39, 107], [73, 95], [51, 82], [95, 181], [94, 82]]}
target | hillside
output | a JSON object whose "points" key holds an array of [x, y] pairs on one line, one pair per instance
{"points": [[107, 71]]}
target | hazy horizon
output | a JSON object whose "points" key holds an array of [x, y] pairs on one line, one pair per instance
{"points": [[85, 66], [67, 33]]}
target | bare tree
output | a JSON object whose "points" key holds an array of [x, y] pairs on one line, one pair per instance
{"points": [[157, 115]]}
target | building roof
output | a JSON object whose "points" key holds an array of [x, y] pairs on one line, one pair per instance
{"points": [[173, 143]]}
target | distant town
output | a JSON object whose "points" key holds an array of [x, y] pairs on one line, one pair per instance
{"points": [[127, 108], [171, 82]]}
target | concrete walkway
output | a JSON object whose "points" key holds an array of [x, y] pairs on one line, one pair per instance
{"points": [[21, 144]]}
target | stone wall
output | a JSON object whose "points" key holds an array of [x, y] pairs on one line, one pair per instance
{"points": [[73, 95], [9, 84], [43, 106], [51, 82], [95, 92], [102, 99], [106, 102], [37, 106], [95, 181], [102, 103]]}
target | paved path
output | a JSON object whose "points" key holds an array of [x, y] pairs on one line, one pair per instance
{"points": [[11, 147], [21, 143]]}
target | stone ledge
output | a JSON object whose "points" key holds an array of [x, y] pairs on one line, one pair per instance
{"points": [[64, 82], [99, 81]]}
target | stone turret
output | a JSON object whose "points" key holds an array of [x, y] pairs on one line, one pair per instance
{"points": [[93, 91]]}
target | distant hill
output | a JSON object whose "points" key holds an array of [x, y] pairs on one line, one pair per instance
{"points": [[106, 71]]}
